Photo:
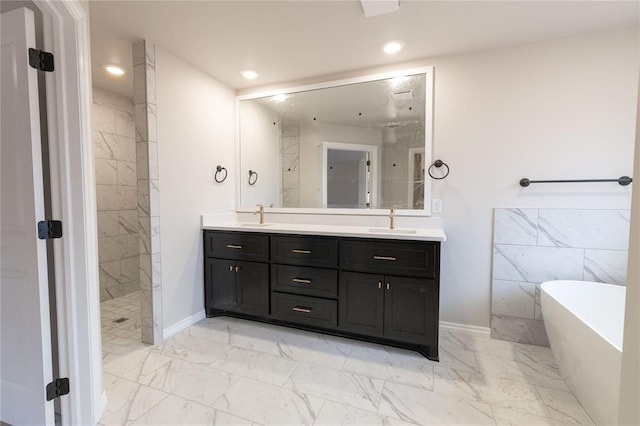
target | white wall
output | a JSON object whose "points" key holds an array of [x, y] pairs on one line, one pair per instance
{"points": [[196, 132], [261, 154], [556, 110], [629, 412], [311, 138]]}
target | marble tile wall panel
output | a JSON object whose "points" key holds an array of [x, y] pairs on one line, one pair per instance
{"points": [[531, 246], [597, 229], [515, 226], [116, 191], [607, 266], [148, 191], [290, 160]]}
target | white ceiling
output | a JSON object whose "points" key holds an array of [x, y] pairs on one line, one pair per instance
{"points": [[292, 40]]}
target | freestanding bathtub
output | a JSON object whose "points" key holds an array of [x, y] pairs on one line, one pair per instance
{"points": [[584, 322]]}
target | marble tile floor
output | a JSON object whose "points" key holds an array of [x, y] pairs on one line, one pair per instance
{"points": [[226, 371], [123, 337]]}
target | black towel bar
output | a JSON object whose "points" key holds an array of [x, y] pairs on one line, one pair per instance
{"points": [[622, 180]]}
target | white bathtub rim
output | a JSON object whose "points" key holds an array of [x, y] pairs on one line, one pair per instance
{"points": [[608, 339]]}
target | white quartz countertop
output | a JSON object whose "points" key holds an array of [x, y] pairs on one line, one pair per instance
{"points": [[421, 234]]}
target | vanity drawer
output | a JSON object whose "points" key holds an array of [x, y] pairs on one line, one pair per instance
{"points": [[304, 310], [236, 246], [304, 251], [304, 280], [417, 259]]}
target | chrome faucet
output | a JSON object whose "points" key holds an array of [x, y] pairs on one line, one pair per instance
{"points": [[260, 211], [392, 216]]}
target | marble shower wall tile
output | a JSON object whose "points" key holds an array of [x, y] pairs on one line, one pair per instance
{"points": [[532, 246], [115, 165], [148, 192]]}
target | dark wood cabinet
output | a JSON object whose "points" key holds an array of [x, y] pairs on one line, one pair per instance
{"points": [[236, 285], [397, 308], [385, 291], [361, 303]]}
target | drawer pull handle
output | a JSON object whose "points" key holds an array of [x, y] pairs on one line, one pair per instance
{"points": [[297, 251], [301, 281], [300, 309], [233, 246], [390, 258]]}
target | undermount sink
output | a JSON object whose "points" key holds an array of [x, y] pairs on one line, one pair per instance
{"points": [[392, 231], [255, 225]]}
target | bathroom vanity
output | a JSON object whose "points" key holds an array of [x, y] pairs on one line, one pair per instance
{"points": [[369, 284]]}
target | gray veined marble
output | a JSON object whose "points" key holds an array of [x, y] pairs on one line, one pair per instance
{"points": [[345, 387], [513, 298], [598, 229], [201, 376], [521, 330], [536, 264], [606, 266], [268, 404], [515, 226]]}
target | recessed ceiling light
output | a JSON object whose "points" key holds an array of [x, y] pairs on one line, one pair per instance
{"points": [[114, 70], [249, 74], [392, 47]]}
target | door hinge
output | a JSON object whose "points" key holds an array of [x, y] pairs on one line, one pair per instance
{"points": [[49, 229], [41, 60], [57, 388]]}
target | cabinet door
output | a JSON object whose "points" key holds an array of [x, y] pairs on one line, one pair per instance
{"points": [[411, 309], [252, 286], [220, 284], [361, 303]]}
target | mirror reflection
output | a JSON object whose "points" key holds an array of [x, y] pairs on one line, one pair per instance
{"points": [[359, 145]]}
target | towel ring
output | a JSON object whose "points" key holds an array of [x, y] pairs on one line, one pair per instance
{"points": [[253, 177], [438, 164], [220, 170]]}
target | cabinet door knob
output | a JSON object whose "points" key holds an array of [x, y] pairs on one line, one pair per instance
{"points": [[298, 251], [388, 286], [389, 258], [379, 284], [301, 281], [300, 309], [238, 268], [234, 246], [230, 268]]}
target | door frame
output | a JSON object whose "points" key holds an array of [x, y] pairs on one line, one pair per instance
{"points": [[73, 198], [371, 149]]}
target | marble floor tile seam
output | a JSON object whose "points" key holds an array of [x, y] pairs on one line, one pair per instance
{"points": [[550, 409], [409, 416], [130, 421], [513, 352], [208, 366], [289, 384], [439, 394]]}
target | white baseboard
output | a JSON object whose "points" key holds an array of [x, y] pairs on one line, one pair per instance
{"points": [[182, 324], [465, 327]]}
